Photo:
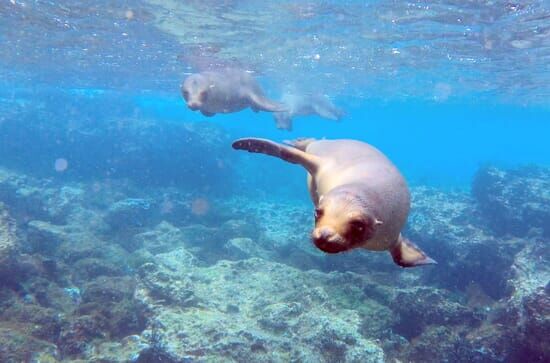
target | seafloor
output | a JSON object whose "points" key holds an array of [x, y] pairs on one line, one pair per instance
{"points": [[122, 257]]}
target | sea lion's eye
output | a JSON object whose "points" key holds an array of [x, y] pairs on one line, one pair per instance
{"points": [[318, 213], [357, 226]]}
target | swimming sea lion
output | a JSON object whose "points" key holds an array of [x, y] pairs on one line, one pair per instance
{"points": [[225, 91], [361, 199], [306, 105]]}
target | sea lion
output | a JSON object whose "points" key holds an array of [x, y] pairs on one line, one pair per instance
{"points": [[360, 198], [225, 91], [306, 105]]}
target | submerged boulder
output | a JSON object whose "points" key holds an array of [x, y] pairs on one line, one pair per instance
{"points": [[514, 201], [279, 314], [44, 237], [449, 228], [8, 243], [130, 213]]}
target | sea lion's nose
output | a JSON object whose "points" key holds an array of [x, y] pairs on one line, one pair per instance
{"points": [[322, 234], [326, 239], [193, 105]]}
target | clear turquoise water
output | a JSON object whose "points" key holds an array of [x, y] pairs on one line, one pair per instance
{"points": [[442, 87]]}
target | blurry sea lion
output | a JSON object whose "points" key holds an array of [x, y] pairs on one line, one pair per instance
{"points": [[306, 105], [361, 199], [225, 91]]}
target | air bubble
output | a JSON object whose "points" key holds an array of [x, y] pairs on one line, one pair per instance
{"points": [[200, 206], [61, 165]]}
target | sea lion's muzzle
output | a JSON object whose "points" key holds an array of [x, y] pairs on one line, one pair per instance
{"points": [[193, 105], [327, 240]]}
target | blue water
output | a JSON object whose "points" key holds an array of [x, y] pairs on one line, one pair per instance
{"points": [[433, 143], [106, 176]]}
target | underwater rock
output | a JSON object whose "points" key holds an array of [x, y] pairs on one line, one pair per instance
{"points": [[424, 306], [79, 246], [107, 316], [61, 201], [22, 195], [30, 198], [450, 230], [36, 321], [111, 301], [130, 213], [440, 343], [527, 311], [279, 314], [128, 349], [140, 257], [8, 243], [108, 289], [44, 237], [514, 201], [89, 268], [48, 294], [243, 248], [536, 325], [16, 347], [77, 337], [235, 228], [163, 238], [170, 281]]}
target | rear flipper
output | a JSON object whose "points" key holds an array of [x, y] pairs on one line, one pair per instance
{"points": [[329, 112], [260, 103], [407, 254], [324, 107], [283, 120], [287, 153]]}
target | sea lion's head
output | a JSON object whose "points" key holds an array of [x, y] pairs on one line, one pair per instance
{"points": [[342, 222], [195, 91]]}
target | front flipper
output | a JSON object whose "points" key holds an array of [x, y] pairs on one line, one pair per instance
{"points": [[300, 143], [407, 254], [207, 114], [287, 153], [260, 103]]}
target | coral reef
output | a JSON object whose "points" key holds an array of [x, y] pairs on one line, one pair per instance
{"points": [[514, 201], [251, 310], [8, 242], [115, 271]]}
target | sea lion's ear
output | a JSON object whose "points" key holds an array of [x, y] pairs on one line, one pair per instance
{"points": [[407, 254], [287, 153]]}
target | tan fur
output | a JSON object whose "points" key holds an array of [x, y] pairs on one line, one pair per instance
{"points": [[225, 91], [352, 162], [361, 199]]}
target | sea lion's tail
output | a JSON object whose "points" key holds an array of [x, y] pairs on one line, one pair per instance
{"points": [[287, 153], [407, 254]]}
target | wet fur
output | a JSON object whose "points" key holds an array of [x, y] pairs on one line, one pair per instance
{"points": [[227, 91]]}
